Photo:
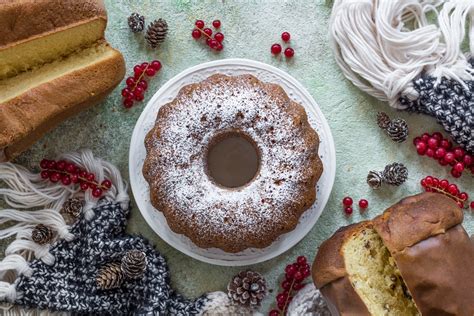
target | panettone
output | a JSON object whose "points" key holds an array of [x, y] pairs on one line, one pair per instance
{"points": [[414, 259]]}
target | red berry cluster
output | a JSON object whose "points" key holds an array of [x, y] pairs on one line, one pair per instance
{"points": [[215, 42], [441, 149], [347, 203], [432, 184], [295, 274], [68, 173], [137, 85], [276, 48]]}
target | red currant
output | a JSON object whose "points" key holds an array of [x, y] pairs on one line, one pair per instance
{"points": [[348, 210], [440, 152], [363, 203], [156, 65], [458, 152], [137, 70], [290, 270], [97, 192], [443, 184], [453, 189], [449, 157], [423, 183], [467, 159], [274, 312], [213, 43], [276, 49], [421, 148], [107, 184], [298, 286], [219, 37], [435, 182], [286, 285], [90, 177], [150, 72], [128, 103], [299, 276], [51, 164], [199, 24], [144, 66], [285, 36], [472, 205], [459, 167], [54, 177], [455, 173], [208, 31], [463, 196], [130, 81], [416, 140], [216, 24], [61, 165], [126, 92], [429, 180], [45, 174], [425, 137], [301, 260], [196, 34], [433, 143], [281, 298], [143, 85], [219, 47], [437, 135], [347, 201], [66, 180], [430, 152], [289, 52], [74, 178], [446, 144]]}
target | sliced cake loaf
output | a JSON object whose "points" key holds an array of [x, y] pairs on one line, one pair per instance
{"points": [[54, 62], [415, 259]]}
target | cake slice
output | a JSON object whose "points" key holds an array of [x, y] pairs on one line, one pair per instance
{"points": [[415, 259], [54, 62]]}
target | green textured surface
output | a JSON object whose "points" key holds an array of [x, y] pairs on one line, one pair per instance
{"points": [[250, 27]]}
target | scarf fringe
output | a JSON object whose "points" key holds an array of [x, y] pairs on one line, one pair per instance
{"points": [[379, 52], [27, 190]]}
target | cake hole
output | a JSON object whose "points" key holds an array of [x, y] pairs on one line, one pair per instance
{"points": [[233, 159]]}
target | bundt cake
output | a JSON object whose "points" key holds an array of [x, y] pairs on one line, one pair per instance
{"points": [[232, 163]]}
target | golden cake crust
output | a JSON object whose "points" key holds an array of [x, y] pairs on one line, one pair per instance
{"points": [[254, 215]]}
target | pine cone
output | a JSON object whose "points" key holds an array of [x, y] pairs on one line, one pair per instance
{"points": [[72, 207], [395, 173], [136, 22], [383, 120], [156, 33], [110, 276], [42, 234], [374, 179], [134, 264], [398, 130], [248, 288]]}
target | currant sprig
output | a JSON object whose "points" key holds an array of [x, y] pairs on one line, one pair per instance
{"points": [[215, 42], [295, 274], [441, 149], [138, 84], [432, 184], [69, 174]]}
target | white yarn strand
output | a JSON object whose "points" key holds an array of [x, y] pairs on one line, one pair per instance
{"points": [[381, 55]]}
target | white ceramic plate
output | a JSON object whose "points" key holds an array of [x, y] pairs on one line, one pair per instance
{"points": [[167, 93]]}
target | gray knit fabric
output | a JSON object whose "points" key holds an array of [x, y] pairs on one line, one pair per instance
{"points": [[70, 284], [451, 104]]}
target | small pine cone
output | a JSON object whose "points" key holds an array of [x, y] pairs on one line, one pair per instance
{"points": [[136, 22], [383, 120], [395, 173], [248, 288], [110, 276], [72, 207], [398, 130], [42, 234], [134, 264], [374, 179], [156, 33]]}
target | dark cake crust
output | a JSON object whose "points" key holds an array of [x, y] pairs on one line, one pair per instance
{"points": [[254, 215]]}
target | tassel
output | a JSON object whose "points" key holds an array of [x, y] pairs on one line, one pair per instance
{"points": [[381, 56]]}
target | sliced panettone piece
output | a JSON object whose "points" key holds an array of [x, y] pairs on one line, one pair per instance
{"points": [[54, 62], [433, 252], [415, 259], [355, 272]]}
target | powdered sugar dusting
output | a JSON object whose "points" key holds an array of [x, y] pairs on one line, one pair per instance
{"points": [[178, 145]]}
